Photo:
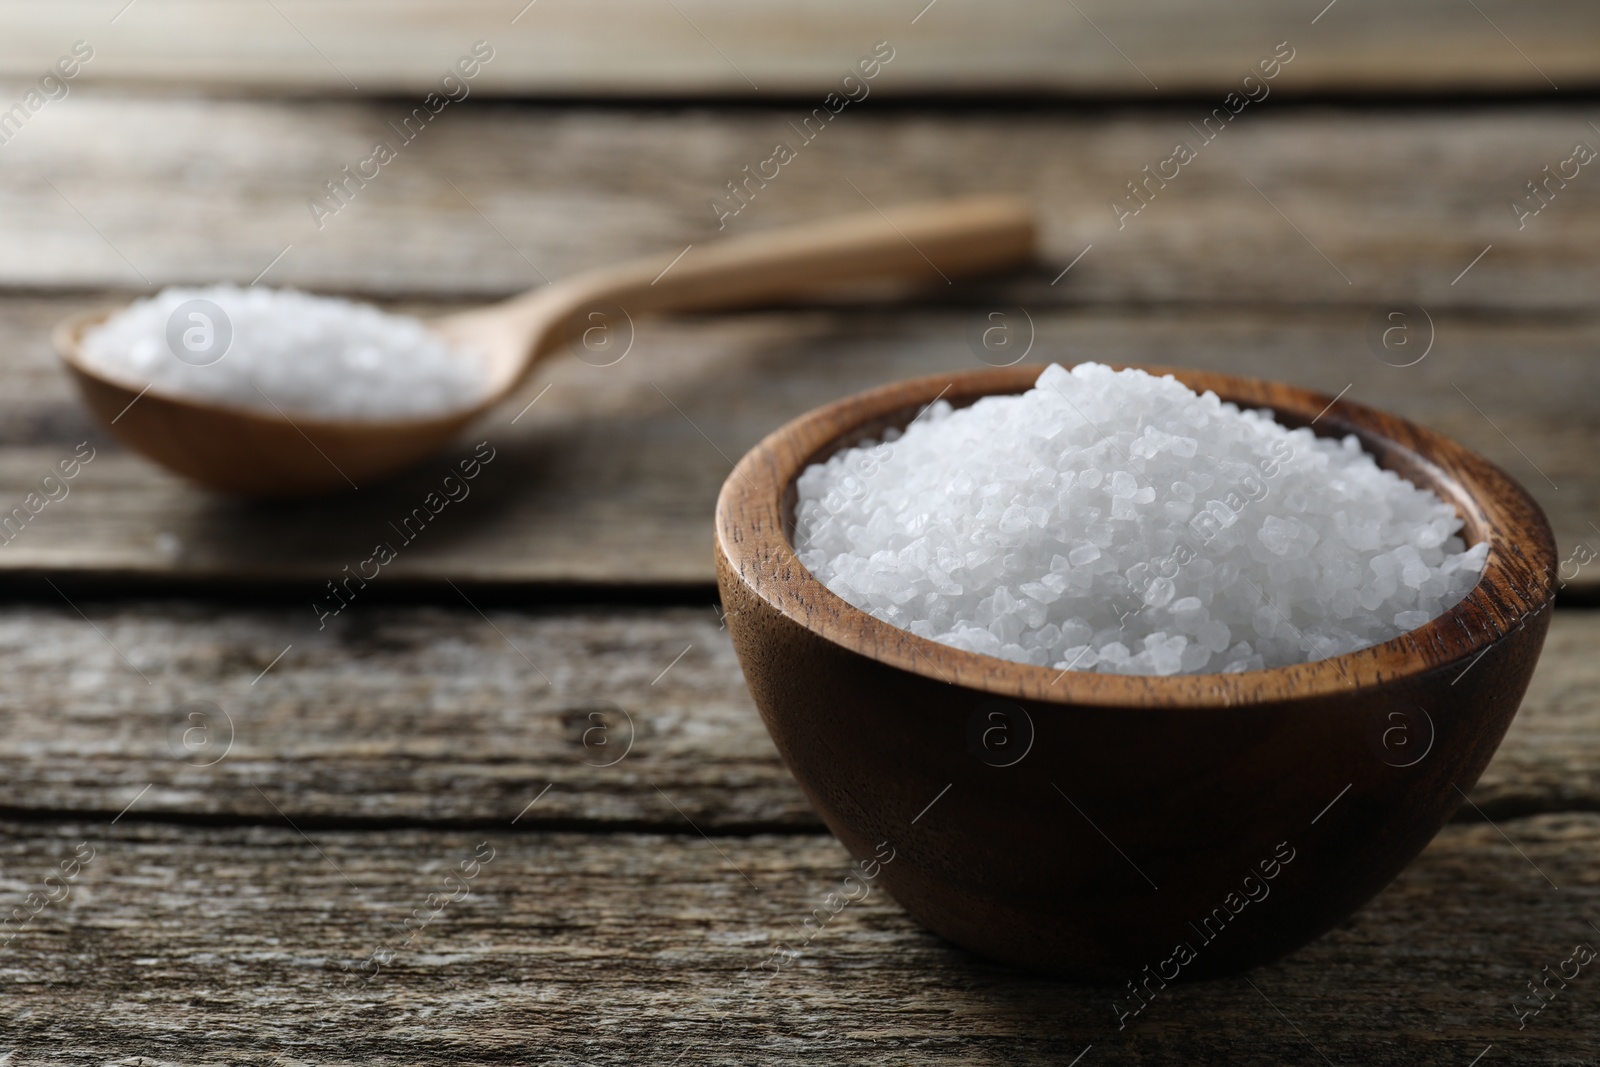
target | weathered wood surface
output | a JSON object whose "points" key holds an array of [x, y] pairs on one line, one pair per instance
{"points": [[233, 945], [724, 48], [176, 739], [406, 716], [1400, 202], [610, 479]]}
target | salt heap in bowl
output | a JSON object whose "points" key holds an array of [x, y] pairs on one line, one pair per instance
{"points": [[281, 350], [1115, 521]]}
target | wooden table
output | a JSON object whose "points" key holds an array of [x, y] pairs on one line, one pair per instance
{"points": [[252, 819]]}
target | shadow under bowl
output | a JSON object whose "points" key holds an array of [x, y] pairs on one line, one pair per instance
{"points": [[1105, 827]]}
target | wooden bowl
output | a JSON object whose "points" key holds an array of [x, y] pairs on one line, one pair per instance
{"points": [[1105, 827]]}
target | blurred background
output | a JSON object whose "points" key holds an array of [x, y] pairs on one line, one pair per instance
{"points": [[1379, 167]]}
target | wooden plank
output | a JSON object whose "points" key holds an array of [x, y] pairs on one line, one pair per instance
{"points": [[409, 716], [1544, 764], [209, 946], [1377, 206], [403, 715], [723, 48], [610, 479]]}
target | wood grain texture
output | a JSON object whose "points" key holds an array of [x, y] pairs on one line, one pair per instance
{"points": [[208, 946], [609, 479], [1390, 205], [399, 738], [722, 48], [432, 716]]}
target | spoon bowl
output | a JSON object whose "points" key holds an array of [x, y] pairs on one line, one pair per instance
{"points": [[275, 454], [247, 451]]}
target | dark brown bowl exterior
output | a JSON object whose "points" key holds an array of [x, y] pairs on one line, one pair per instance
{"points": [[1145, 830]]}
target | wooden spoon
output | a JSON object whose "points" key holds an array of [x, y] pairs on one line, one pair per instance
{"points": [[272, 454]]}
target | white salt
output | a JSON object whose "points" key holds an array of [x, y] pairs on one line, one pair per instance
{"points": [[284, 350], [1114, 521]]}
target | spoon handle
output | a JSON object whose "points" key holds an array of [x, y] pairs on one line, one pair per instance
{"points": [[931, 242]]}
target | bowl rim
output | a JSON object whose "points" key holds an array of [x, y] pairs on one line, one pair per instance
{"points": [[1518, 580]]}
